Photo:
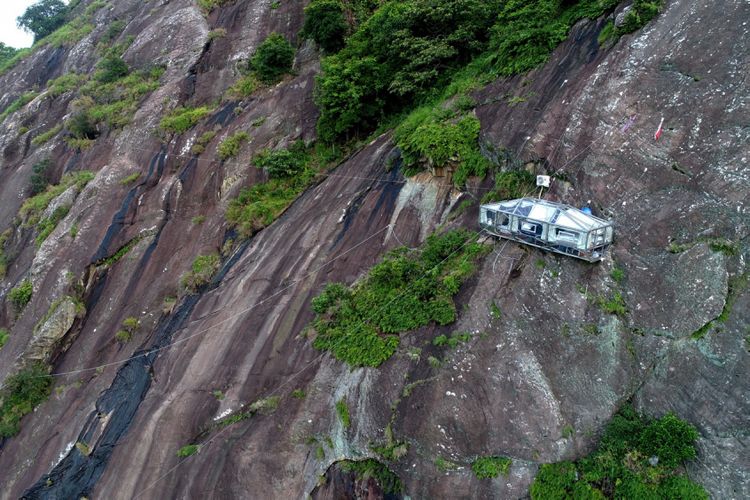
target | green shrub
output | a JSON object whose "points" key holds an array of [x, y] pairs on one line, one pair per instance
{"points": [[621, 467], [342, 410], [325, 23], [489, 467], [202, 141], [21, 295], [640, 14], [614, 305], [201, 272], [298, 394], [511, 184], [230, 147], [82, 126], [404, 291], [4, 336], [130, 178], [188, 450], [183, 119], [426, 137], [284, 162], [370, 468], [40, 176], [111, 68], [22, 392], [272, 59], [46, 136], [243, 87]]}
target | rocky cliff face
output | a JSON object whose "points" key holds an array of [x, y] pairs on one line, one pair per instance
{"points": [[536, 383]]}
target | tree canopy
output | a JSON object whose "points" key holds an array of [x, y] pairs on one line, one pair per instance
{"points": [[6, 53], [43, 17]]}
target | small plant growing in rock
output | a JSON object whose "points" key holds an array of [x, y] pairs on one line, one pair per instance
{"points": [[298, 394], [219, 395], [21, 295], [129, 326], [188, 450], [265, 405], [83, 448], [444, 465], [617, 274], [4, 335], [342, 409], [201, 272], [230, 147], [489, 467]]}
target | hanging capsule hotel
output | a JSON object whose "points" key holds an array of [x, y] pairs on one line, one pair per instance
{"points": [[548, 225]]}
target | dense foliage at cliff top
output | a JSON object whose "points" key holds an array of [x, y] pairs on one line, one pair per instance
{"points": [[408, 51], [636, 458]]}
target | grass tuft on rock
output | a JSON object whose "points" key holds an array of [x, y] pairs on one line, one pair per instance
{"points": [[489, 467]]}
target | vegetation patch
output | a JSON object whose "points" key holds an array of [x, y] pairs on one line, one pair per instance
{"points": [[259, 205], [230, 147], [735, 286], [4, 336], [20, 102], [32, 209], [21, 295], [511, 184], [284, 162], [272, 59], [434, 137], [325, 23], [370, 468], [201, 272], [410, 50], [48, 224], [453, 341], [186, 451], [183, 119], [636, 458], [342, 410], [489, 467], [22, 392], [129, 326], [406, 290], [202, 141], [46, 136]]}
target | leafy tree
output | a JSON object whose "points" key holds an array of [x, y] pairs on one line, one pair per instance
{"points": [[273, 58], [43, 18], [396, 56], [111, 68], [325, 23], [6, 53]]}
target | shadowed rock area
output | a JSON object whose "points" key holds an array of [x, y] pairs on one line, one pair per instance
{"points": [[537, 382]]}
